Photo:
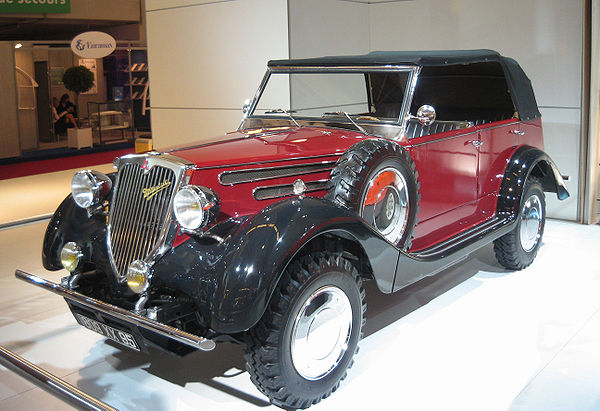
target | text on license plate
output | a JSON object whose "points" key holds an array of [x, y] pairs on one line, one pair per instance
{"points": [[112, 333]]}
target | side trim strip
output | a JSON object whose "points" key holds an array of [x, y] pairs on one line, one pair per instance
{"points": [[284, 190], [51, 383]]}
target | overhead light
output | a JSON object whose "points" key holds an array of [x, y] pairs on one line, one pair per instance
{"points": [[18, 45]]}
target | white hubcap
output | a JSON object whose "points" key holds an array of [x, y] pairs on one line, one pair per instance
{"points": [[531, 223], [321, 332]]}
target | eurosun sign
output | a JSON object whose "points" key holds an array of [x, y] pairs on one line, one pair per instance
{"points": [[93, 44]]}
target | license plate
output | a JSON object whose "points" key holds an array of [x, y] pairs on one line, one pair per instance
{"points": [[109, 332]]}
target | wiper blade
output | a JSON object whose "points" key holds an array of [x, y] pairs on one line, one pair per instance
{"points": [[343, 113], [282, 111]]}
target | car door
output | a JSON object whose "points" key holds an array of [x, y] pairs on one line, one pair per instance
{"points": [[447, 164]]}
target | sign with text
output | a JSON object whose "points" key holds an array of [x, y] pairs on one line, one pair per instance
{"points": [[93, 44], [35, 6]]}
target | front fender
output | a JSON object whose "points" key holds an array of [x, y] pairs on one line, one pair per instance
{"points": [[240, 281], [528, 161], [69, 223]]}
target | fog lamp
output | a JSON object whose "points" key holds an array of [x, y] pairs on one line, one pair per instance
{"points": [[138, 274], [70, 256]]}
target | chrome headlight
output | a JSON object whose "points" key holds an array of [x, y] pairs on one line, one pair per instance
{"points": [[89, 187], [70, 255], [195, 207]]}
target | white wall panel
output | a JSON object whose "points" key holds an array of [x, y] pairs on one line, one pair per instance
{"points": [[328, 27], [562, 140], [176, 126], [209, 56], [544, 36]]}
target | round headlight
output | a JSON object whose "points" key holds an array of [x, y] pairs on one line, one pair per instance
{"points": [[194, 206], [138, 274], [89, 187], [70, 256]]}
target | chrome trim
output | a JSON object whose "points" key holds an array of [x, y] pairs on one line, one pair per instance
{"points": [[322, 69], [397, 210], [409, 97], [392, 131], [459, 240], [291, 189], [442, 139], [179, 167], [532, 219], [51, 383], [326, 166], [321, 332], [130, 318], [269, 161]]}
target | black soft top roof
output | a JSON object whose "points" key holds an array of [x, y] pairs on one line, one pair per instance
{"points": [[519, 84]]}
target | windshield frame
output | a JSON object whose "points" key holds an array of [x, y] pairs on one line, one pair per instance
{"points": [[385, 128]]}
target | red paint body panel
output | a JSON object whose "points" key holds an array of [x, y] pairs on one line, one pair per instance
{"points": [[459, 182], [286, 145]]}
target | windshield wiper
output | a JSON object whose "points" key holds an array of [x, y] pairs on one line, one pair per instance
{"points": [[340, 113], [282, 111]]}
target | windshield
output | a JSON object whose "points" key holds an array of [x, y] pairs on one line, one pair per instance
{"points": [[365, 96]]}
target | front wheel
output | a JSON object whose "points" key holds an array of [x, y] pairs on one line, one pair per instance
{"points": [[300, 350], [517, 249]]}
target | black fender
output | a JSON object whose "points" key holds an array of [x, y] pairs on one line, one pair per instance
{"points": [[234, 280], [72, 223], [524, 162]]}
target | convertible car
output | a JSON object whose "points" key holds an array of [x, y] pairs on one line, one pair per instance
{"points": [[390, 166]]}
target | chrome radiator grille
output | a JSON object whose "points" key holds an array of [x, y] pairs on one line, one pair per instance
{"points": [[140, 212]]}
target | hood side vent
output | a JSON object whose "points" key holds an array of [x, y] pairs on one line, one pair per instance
{"points": [[258, 174]]}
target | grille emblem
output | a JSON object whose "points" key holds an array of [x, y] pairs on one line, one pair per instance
{"points": [[145, 166], [152, 191]]}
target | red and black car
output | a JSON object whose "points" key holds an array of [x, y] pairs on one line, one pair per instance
{"points": [[390, 166]]}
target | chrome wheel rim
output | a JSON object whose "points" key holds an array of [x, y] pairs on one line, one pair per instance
{"points": [[385, 204], [531, 223], [321, 332]]}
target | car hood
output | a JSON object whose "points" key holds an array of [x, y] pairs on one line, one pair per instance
{"points": [[269, 145]]}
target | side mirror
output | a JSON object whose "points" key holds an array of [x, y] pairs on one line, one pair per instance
{"points": [[246, 106], [425, 115]]}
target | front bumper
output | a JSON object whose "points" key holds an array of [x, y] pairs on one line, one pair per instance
{"points": [[124, 316]]}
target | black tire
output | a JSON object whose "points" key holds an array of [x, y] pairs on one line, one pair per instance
{"points": [[517, 249], [365, 161], [269, 352]]}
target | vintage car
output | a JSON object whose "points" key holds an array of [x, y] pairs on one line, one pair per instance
{"points": [[390, 166]]}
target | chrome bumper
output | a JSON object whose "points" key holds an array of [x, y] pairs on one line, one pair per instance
{"points": [[128, 317], [51, 383]]}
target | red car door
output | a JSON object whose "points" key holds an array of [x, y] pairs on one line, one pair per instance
{"points": [[448, 171]]}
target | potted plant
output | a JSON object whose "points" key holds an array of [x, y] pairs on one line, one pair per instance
{"points": [[78, 79]]}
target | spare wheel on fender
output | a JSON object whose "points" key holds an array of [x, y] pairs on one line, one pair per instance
{"points": [[377, 179]]}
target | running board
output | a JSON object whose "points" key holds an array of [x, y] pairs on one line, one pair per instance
{"points": [[413, 267], [51, 383]]}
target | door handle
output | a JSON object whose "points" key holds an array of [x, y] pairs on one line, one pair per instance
{"points": [[517, 132], [477, 143]]}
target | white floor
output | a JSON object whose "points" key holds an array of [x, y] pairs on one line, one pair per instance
{"points": [[474, 337]]}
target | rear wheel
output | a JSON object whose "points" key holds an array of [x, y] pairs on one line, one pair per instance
{"points": [[300, 350], [517, 249]]}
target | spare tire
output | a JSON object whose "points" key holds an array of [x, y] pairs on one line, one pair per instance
{"points": [[377, 180]]}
